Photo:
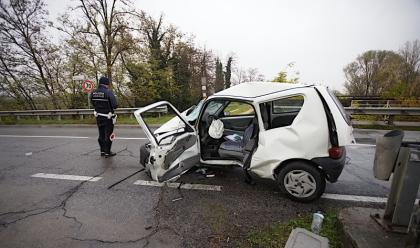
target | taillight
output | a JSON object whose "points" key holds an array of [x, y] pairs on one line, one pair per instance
{"points": [[335, 152]]}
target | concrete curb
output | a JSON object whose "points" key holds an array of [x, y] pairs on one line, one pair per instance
{"points": [[349, 241], [361, 231]]}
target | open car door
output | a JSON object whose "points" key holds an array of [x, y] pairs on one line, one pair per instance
{"points": [[172, 152], [342, 123]]}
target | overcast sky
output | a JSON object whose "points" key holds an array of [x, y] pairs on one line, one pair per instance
{"points": [[321, 37]]}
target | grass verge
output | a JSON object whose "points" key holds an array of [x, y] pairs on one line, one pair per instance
{"points": [[277, 234]]}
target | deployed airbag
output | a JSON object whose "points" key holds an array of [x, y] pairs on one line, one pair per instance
{"points": [[216, 129]]}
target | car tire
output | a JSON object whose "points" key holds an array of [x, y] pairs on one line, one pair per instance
{"points": [[301, 181]]}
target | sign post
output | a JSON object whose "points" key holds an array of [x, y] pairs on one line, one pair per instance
{"points": [[88, 87], [204, 87]]}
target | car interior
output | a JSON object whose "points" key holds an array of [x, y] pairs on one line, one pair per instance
{"points": [[240, 127]]}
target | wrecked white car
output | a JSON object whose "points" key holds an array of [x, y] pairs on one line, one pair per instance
{"points": [[294, 134]]}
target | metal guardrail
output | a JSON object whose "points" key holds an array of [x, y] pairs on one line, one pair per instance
{"points": [[389, 113], [70, 112], [385, 103], [383, 111]]}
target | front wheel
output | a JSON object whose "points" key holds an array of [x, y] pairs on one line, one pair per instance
{"points": [[301, 181]]}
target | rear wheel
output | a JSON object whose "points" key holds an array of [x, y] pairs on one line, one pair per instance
{"points": [[301, 181]]}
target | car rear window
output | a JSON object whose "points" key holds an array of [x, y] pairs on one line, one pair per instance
{"points": [[288, 105], [340, 106], [283, 111]]}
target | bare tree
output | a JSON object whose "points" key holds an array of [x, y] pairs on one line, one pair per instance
{"points": [[107, 21], [375, 72], [22, 27], [253, 75], [410, 53]]}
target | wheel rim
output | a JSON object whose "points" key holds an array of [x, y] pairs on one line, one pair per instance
{"points": [[299, 183]]}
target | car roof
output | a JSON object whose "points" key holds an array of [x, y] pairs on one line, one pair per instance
{"points": [[253, 90]]}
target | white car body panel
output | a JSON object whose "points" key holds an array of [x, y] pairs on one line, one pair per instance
{"points": [[299, 140], [306, 138]]}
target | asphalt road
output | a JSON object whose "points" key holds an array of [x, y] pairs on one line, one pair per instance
{"points": [[41, 212]]}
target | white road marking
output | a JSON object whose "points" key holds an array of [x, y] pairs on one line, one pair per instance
{"points": [[67, 177], [123, 138], [358, 198], [355, 198], [63, 137], [339, 197], [176, 185], [360, 144], [38, 136]]}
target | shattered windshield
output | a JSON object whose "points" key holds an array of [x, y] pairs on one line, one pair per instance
{"points": [[194, 114]]}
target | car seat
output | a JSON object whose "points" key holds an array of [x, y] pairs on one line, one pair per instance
{"points": [[235, 149]]}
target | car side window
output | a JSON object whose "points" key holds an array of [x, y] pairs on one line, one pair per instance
{"points": [[285, 110], [238, 109]]}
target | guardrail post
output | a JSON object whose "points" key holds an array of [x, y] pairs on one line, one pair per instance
{"points": [[59, 117], [81, 117], [131, 116], [38, 118], [390, 120], [17, 117]]}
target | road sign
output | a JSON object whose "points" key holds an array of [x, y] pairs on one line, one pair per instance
{"points": [[88, 86]]}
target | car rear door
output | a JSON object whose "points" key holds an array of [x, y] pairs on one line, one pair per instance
{"points": [[341, 119], [173, 152]]}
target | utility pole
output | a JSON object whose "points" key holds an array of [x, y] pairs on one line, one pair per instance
{"points": [[204, 74], [204, 87]]}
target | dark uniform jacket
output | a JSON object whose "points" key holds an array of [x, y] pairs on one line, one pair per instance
{"points": [[103, 100]]}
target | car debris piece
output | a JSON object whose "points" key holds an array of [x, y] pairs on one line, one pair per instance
{"points": [[148, 227], [28, 154], [302, 238], [202, 171], [210, 175], [177, 199], [317, 220]]}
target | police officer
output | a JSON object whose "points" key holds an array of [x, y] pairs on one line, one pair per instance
{"points": [[104, 103]]}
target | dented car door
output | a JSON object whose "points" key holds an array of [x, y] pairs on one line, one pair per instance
{"points": [[173, 152]]}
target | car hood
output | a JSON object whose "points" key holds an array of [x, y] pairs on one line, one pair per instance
{"points": [[171, 125]]}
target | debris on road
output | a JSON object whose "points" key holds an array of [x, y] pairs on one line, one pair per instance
{"points": [[28, 154], [177, 199], [317, 220], [148, 227], [202, 171], [301, 238]]}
